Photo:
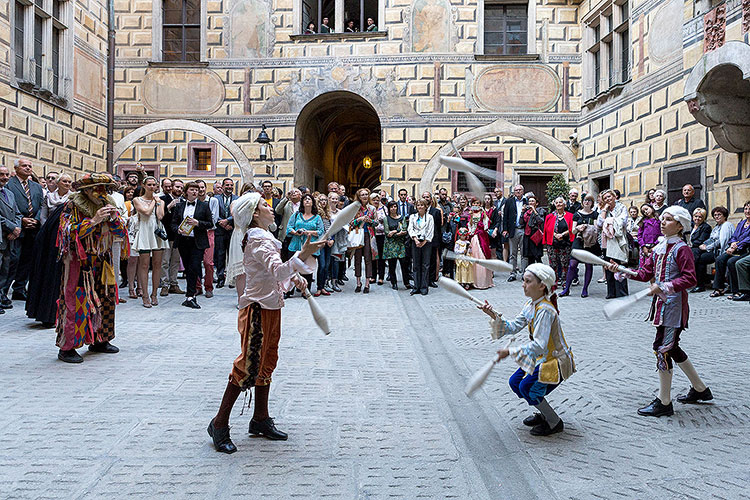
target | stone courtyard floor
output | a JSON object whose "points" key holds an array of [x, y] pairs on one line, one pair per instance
{"points": [[375, 410]]}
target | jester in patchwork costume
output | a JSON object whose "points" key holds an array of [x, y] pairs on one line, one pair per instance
{"points": [[89, 223], [545, 359]]}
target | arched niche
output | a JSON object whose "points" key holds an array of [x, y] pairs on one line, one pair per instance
{"points": [[501, 128], [246, 170], [717, 93]]}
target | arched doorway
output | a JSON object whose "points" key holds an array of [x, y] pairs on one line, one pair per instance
{"points": [[188, 125], [334, 134]]}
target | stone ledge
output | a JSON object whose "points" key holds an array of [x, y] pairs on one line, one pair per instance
{"points": [[338, 37], [507, 58]]}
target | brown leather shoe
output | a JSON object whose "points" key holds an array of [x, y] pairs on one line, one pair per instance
{"points": [[176, 289], [164, 291]]}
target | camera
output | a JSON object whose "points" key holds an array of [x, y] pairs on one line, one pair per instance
{"points": [[420, 238], [574, 139]]}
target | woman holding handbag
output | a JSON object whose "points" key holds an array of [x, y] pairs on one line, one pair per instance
{"points": [[558, 237], [362, 239], [394, 247], [306, 222], [150, 240], [584, 229], [421, 231], [533, 221]]}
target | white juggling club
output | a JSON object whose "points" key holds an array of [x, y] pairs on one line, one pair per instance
{"points": [[455, 288], [317, 313], [343, 217], [493, 264], [590, 258], [476, 381], [614, 308]]}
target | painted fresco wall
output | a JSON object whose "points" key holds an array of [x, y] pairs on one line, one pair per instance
{"points": [[69, 138], [419, 74]]}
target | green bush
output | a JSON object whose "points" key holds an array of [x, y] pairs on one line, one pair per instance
{"points": [[558, 186]]}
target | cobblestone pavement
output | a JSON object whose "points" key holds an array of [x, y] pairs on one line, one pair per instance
{"points": [[375, 410]]}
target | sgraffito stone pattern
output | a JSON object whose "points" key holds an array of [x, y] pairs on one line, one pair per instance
{"points": [[376, 410], [665, 35], [181, 91], [506, 88]]}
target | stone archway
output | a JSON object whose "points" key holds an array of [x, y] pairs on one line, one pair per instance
{"points": [[500, 127], [333, 134], [246, 170]]}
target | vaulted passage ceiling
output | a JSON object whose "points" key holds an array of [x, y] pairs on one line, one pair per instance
{"points": [[334, 133]]}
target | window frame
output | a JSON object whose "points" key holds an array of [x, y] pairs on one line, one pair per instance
{"points": [[35, 70], [499, 157], [192, 167], [298, 21], [503, 28], [157, 35], [607, 49], [531, 27]]}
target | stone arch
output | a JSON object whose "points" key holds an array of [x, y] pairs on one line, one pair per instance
{"points": [[332, 134], [500, 127], [246, 170]]}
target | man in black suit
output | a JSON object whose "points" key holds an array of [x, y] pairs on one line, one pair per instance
{"points": [[191, 220], [10, 230], [406, 209], [170, 262], [224, 228], [29, 198], [572, 205], [496, 226], [267, 187], [437, 218], [513, 229]]}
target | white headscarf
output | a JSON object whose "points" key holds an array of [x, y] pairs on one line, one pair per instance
{"points": [[545, 274], [682, 216], [243, 209]]}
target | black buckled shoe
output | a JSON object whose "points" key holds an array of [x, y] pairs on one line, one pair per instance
{"points": [[533, 420], [104, 347], [694, 396], [656, 409], [268, 429], [220, 436], [544, 429], [70, 356]]}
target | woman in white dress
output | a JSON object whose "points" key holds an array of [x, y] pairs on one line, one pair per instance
{"points": [[150, 212]]}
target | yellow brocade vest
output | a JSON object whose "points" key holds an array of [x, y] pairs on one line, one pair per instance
{"points": [[557, 363]]}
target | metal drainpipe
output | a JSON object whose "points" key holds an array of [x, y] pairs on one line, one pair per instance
{"points": [[111, 87]]}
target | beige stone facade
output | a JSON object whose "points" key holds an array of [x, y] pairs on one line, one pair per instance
{"points": [[397, 96], [64, 130]]}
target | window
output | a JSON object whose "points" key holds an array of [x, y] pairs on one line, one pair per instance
{"points": [[607, 41], [347, 16], [492, 161], [201, 158], [181, 30], [505, 29], [18, 44], [39, 52]]}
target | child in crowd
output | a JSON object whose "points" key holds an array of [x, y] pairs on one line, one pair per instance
{"points": [[649, 231], [671, 266], [545, 360], [464, 270]]}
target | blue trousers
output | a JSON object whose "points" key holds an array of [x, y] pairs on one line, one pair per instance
{"points": [[528, 387]]}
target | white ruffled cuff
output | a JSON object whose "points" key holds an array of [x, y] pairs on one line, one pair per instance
{"points": [[497, 327]]}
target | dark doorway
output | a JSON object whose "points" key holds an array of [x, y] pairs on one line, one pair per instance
{"points": [[678, 176], [536, 184], [337, 138], [600, 184]]}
